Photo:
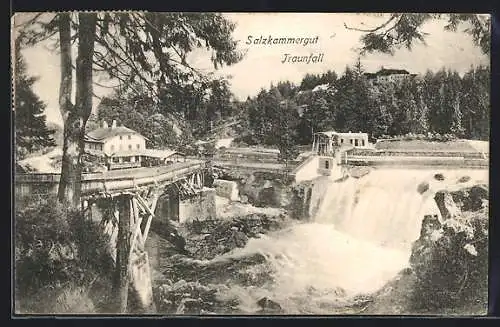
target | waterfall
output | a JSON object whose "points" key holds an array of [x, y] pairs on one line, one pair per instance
{"points": [[359, 239], [384, 207]]}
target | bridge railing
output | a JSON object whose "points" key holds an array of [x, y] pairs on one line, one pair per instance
{"points": [[37, 178], [99, 182]]}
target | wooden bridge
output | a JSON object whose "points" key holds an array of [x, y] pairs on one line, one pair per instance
{"points": [[125, 202], [111, 181]]}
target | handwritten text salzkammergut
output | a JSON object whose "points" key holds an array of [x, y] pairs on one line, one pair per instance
{"points": [[270, 40], [288, 57]]}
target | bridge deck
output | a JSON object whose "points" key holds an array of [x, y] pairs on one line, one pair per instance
{"points": [[120, 179]]}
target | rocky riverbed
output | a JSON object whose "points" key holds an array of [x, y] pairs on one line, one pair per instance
{"points": [[195, 282], [259, 261], [448, 271]]}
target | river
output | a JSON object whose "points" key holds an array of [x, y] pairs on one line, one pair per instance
{"points": [[359, 239]]}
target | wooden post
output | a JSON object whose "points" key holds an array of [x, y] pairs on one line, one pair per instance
{"points": [[137, 219], [121, 281]]}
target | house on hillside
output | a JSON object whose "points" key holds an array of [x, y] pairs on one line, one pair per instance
{"points": [[385, 74], [122, 147]]}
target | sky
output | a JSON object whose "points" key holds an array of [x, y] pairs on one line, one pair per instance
{"points": [[262, 64]]}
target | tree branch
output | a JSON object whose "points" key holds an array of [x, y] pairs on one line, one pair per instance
{"points": [[373, 29]]}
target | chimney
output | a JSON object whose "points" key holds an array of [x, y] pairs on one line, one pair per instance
{"points": [[114, 124], [104, 124]]}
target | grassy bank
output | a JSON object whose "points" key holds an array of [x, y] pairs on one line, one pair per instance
{"points": [[56, 271]]}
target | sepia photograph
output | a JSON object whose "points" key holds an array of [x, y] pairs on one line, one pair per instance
{"points": [[173, 164]]}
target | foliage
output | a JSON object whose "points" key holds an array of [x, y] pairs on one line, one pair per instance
{"points": [[438, 106], [132, 48], [31, 130], [312, 80], [53, 253], [402, 30]]}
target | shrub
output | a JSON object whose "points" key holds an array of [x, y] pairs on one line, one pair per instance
{"points": [[53, 253]]}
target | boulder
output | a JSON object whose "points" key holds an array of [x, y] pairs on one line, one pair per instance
{"points": [[190, 306], [267, 197], [458, 229], [448, 250], [464, 179], [430, 223], [446, 205], [269, 306], [439, 177], [239, 239], [226, 189], [422, 187], [478, 194], [471, 198]]}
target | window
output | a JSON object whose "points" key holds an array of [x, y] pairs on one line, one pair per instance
{"points": [[130, 146], [121, 137], [356, 142], [129, 137], [138, 146], [341, 141], [362, 142], [327, 164], [352, 141]]}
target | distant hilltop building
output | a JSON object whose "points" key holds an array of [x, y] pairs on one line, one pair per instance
{"points": [[385, 74], [125, 148]]}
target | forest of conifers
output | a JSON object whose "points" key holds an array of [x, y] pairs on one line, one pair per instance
{"points": [[285, 115], [440, 102]]}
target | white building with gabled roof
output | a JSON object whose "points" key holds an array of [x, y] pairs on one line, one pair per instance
{"points": [[114, 139], [125, 148]]}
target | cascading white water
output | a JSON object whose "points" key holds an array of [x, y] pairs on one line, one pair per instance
{"points": [[360, 238], [383, 207]]}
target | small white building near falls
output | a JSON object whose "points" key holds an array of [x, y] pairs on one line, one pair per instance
{"points": [[328, 151], [326, 143]]}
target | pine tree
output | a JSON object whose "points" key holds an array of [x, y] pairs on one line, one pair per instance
{"points": [[456, 125], [31, 129]]}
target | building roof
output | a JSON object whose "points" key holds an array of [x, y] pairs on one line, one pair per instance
{"points": [[388, 72], [331, 133], [100, 134], [154, 153], [321, 87]]}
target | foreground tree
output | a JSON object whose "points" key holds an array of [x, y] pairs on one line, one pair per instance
{"points": [[30, 122], [402, 30], [150, 48], [448, 115]]}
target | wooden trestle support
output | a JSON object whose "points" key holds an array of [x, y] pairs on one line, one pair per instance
{"points": [[131, 215]]}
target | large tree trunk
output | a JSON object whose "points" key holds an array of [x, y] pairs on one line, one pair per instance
{"points": [[65, 106], [121, 276], [75, 117]]}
